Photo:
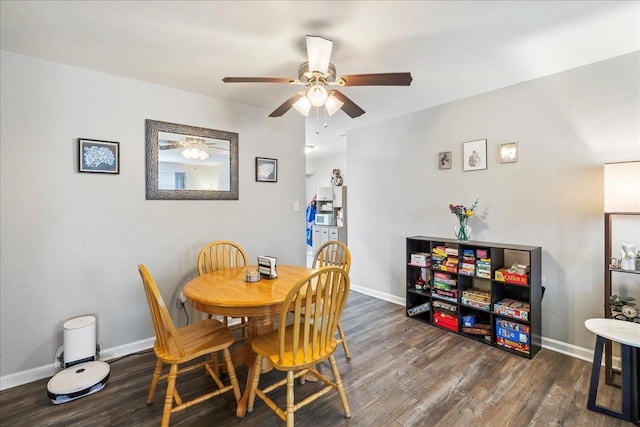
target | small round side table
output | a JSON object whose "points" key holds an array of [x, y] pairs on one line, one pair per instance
{"points": [[628, 335]]}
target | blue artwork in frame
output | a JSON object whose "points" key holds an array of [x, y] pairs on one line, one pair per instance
{"points": [[98, 156]]}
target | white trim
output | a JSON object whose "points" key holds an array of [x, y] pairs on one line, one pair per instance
{"points": [[575, 351], [24, 377], [379, 295], [548, 343]]}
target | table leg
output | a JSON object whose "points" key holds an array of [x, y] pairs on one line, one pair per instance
{"points": [[629, 387], [256, 326]]}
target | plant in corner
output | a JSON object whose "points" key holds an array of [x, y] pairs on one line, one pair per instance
{"points": [[462, 230]]}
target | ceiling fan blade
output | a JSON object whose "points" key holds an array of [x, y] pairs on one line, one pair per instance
{"points": [[286, 105], [257, 80], [382, 79], [319, 53], [349, 107]]}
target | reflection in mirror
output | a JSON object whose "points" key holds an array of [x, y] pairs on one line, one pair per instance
{"points": [[192, 163], [187, 162]]}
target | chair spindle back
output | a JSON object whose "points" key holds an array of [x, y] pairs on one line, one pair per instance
{"points": [[316, 303], [220, 255], [333, 253]]}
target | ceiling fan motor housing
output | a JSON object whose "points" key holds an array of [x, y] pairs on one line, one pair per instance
{"points": [[307, 76]]}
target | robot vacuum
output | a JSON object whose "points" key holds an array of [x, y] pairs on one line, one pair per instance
{"points": [[78, 381]]}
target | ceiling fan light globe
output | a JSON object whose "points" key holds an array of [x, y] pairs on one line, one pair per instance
{"points": [[203, 155], [317, 95], [333, 104], [303, 106]]}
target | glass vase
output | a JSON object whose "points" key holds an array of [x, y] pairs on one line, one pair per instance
{"points": [[462, 230]]}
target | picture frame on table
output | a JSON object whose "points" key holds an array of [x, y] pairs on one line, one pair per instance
{"points": [[266, 169], [444, 160], [97, 156], [474, 155]]}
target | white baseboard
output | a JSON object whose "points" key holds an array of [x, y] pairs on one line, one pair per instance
{"points": [[548, 343], [377, 294], [24, 377]]}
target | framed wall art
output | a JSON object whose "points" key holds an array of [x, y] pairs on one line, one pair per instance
{"points": [[474, 155], [98, 156], [444, 160], [509, 152], [266, 169]]}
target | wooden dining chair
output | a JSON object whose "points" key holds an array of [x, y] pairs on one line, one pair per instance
{"points": [[222, 255], [336, 254], [297, 347], [180, 346]]}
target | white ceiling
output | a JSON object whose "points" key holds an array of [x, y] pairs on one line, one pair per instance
{"points": [[453, 49]]}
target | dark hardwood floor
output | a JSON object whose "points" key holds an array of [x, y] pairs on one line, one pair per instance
{"points": [[403, 373]]}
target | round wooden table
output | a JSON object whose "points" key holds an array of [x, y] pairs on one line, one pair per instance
{"points": [[226, 293]]}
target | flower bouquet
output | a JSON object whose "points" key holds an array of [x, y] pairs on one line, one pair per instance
{"points": [[463, 232]]}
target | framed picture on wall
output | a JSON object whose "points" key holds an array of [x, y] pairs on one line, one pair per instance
{"points": [[266, 169], [509, 152], [98, 156], [474, 155], [444, 160]]}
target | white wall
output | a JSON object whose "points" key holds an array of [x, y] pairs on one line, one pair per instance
{"points": [[70, 241], [566, 125]]}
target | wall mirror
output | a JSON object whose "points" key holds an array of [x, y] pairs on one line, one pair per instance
{"points": [[190, 163]]}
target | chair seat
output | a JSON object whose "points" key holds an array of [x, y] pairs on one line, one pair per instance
{"points": [[269, 346], [198, 339]]}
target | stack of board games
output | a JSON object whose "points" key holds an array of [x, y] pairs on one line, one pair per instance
{"points": [[421, 259], [516, 274], [513, 335], [445, 259], [512, 308], [479, 328], [476, 298], [444, 286], [422, 308], [468, 266], [483, 268], [444, 306], [445, 319]]}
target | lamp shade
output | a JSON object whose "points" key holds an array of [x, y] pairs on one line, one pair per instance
{"points": [[302, 105], [333, 104], [622, 187]]}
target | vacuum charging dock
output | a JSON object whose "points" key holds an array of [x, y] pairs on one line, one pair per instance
{"points": [[83, 375]]}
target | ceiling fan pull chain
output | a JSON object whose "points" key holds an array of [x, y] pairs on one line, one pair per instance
{"points": [[317, 121]]}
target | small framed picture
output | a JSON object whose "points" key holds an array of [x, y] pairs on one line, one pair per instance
{"points": [[98, 156], [266, 169], [474, 155], [509, 152], [444, 160]]}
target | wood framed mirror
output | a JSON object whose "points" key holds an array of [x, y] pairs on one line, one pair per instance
{"points": [[190, 163]]}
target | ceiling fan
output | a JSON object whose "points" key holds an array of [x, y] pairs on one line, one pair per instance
{"points": [[318, 75], [192, 147]]}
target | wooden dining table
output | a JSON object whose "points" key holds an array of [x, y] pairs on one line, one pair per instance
{"points": [[226, 293]]}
